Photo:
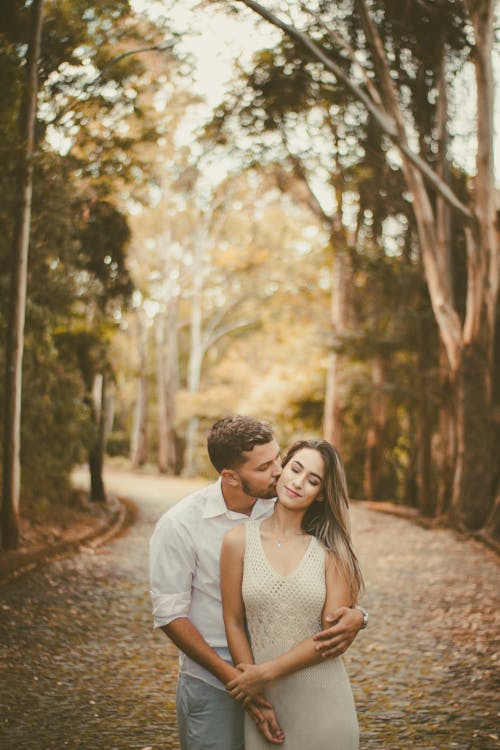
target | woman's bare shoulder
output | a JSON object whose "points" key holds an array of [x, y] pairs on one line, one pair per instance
{"points": [[235, 537]]}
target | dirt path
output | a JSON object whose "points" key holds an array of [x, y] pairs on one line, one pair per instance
{"points": [[82, 668]]}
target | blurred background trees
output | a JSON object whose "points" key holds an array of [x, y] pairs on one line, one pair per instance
{"points": [[89, 121], [387, 71], [279, 254]]}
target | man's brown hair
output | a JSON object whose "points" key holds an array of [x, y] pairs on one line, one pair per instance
{"points": [[230, 437]]}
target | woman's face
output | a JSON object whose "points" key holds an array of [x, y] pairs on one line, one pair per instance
{"points": [[301, 480]]}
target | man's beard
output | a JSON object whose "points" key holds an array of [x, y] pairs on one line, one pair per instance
{"points": [[250, 490]]}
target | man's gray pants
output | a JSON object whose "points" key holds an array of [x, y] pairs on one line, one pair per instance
{"points": [[207, 718]]}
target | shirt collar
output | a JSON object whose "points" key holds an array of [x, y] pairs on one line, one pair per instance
{"points": [[216, 505], [262, 507]]}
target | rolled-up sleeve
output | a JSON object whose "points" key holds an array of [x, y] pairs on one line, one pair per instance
{"points": [[172, 562]]}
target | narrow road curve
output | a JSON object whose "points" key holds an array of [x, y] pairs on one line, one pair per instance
{"points": [[81, 666]]}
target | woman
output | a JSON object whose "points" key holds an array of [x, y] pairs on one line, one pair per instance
{"points": [[280, 578]]}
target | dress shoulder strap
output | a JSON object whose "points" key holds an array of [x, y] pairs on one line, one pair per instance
{"points": [[251, 530], [252, 533]]}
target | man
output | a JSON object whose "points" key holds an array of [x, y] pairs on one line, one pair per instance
{"points": [[185, 587]]}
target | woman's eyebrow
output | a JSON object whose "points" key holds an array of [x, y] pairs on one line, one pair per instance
{"points": [[310, 472]]}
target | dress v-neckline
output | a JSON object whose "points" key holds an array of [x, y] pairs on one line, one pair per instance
{"points": [[268, 562]]}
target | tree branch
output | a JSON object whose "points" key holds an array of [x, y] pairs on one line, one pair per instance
{"points": [[218, 317], [91, 84], [229, 328], [299, 171], [385, 122], [382, 72], [381, 117], [342, 43]]}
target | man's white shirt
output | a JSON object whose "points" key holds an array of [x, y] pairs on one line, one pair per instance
{"points": [[184, 567]]}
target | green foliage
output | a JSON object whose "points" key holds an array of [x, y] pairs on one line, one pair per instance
{"points": [[118, 443], [78, 281], [65, 269], [104, 238], [284, 92], [56, 429]]}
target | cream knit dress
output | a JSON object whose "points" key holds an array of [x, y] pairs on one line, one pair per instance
{"points": [[314, 706]]}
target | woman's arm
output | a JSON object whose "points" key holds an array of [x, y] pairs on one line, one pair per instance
{"points": [[233, 607], [254, 678]]}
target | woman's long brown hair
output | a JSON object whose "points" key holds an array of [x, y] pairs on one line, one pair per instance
{"points": [[328, 519]]}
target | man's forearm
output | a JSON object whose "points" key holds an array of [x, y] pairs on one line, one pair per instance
{"points": [[253, 679], [188, 639], [346, 622], [301, 655]]}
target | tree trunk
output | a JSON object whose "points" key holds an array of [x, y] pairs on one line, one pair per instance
{"points": [[492, 526], [172, 388], [447, 449], [162, 459], [446, 456], [191, 444], [473, 481], [473, 487], [375, 444], [427, 501], [168, 385], [138, 438], [11, 471], [193, 387], [195, 351], [425, 426], [96, 455], [332, 419], [110, 406]]}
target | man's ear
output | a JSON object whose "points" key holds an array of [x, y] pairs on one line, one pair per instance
{"points": [[230, 477]]}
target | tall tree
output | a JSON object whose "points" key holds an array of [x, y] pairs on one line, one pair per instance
{"points": [[19, 269], [90, 66], [339, 147], [98, 449], [138, 436], [468, 344], [374, 459], [341, 285]]}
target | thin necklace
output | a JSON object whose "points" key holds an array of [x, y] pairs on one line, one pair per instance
{"points": [[280, 542], [284, 539]]}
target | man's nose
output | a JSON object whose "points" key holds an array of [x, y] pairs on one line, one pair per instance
{"points": [[277, 469]]}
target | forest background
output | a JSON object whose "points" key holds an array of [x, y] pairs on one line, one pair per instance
{"points": [[318, 248]]}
